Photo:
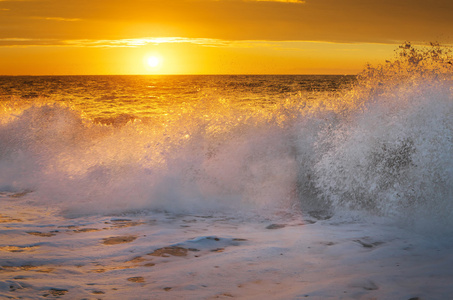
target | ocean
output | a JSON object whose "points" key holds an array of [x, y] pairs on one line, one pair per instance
{"points": [[102, 98], [171, 135], [221, 162]]}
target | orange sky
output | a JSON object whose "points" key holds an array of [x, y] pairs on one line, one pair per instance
{"points": [[212, 36]]}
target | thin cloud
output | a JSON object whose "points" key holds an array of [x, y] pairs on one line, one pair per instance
{"points": [[130, 43], [58, 19], [121, 43], [26, 42], [286, 45], [139, 42]]}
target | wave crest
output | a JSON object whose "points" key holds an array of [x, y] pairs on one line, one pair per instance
{"points": [[393, 153], [384, 146]]}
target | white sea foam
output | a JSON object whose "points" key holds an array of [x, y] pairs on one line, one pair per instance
{"points": [[394, 155], [308, 197], [384, 146]]}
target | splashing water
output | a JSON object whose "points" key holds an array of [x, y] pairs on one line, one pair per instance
{"points": [[382, 145], [392, 154]]}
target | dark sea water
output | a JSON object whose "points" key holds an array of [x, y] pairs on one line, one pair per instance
{"points": [[380, 143]]}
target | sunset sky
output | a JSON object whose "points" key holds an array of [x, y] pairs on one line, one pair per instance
{"points": [[59, 37]]}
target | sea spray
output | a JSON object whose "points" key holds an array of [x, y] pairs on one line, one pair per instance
{"points": [[393, 153], [202, 160], [382, 145]]}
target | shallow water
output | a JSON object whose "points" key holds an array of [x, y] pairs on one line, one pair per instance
{"points": [[172, 256]]}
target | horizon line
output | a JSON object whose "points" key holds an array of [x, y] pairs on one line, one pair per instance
{"points": [[210, 74]]}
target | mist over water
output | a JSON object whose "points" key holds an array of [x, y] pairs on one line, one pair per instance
{"points": [[380, 144]]}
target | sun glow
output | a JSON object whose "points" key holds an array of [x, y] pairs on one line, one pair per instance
{"points": [[153, 61]]}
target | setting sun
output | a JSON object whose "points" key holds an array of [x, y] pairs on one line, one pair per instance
{"points": [[154, 61]]}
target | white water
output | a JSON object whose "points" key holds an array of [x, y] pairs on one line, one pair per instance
{"points": [[344, 195], [383, 146]]}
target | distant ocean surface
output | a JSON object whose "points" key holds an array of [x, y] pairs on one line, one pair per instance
{"points": [[105, 97], [379, 143]]}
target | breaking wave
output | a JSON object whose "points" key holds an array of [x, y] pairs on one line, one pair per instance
{"points": [[392, 154], [382, 146]]}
